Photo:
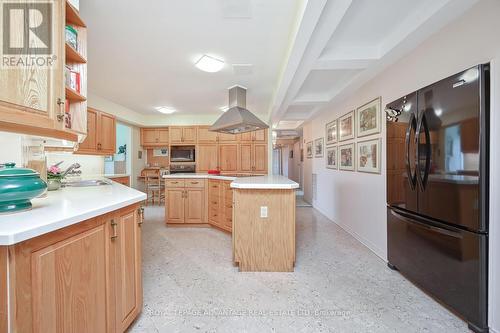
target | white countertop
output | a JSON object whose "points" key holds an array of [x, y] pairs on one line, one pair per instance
{"points": [[200, 176], [116, 175], [63, 208], [245, 181], [264, 182]]}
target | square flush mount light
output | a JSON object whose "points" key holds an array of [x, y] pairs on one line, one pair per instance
{"points": [[165, 110], [209, 64]]}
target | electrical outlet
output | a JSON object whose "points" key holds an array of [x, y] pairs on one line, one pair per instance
{"points": [[263, 212]]}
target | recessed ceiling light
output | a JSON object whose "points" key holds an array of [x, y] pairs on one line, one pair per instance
{"points": [[209, 64], [224, 108], [165, 109]]}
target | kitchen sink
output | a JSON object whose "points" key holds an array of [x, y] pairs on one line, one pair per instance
{"points": [[86, 183]]}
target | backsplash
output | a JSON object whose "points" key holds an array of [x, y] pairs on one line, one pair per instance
{"points": [[12, 146]]}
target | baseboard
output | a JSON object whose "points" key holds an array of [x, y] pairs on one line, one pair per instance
{"points": [[372, 247]]}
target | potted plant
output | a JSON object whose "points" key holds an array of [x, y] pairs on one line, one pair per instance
{"points": [[54, 177]]}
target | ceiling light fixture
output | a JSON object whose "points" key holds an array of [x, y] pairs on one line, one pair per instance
{"points": [[209, 64], [165, 109]]}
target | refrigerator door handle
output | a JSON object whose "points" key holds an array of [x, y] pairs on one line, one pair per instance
{"points": [[411, 175], [422, 179], [413, 220]]}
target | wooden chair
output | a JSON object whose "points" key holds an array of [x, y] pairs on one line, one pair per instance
{"points": [[155, 188]]}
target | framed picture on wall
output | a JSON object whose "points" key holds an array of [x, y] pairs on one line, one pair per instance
{"points": [[331, 133], [369, 156], [346, 126], [346, 157], [309, 149], [331, 157], [318, 147], [368, 118]]}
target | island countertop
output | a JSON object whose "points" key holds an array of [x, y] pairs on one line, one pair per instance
{"points": [[243, 181], [63, 208], [271, 182]]}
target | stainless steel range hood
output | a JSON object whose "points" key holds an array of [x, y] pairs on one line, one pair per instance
{"points": [[237, 119]]}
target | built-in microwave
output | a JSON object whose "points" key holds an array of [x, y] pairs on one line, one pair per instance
{"points": [[182, 154]]}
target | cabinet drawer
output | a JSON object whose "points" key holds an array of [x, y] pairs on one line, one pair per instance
{"points": [[214, 214], [195, 183], [175, 182], [213, 201], [214, 184]]}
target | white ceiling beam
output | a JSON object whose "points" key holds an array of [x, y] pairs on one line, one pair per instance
{"points": [[336, 64], [330, 19], [309, 18]]}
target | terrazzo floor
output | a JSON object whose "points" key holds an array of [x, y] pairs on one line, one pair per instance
{"points": [[190, 285]]}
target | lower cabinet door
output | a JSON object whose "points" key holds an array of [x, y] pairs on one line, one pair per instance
{"points": [[127, 268], [194, 205], [68, 281], [174, 208]]}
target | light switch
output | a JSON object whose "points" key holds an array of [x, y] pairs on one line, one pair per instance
{"points": [[263, 211]]}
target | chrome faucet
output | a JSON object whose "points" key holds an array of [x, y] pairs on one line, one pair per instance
{"points": [[72, 170]]}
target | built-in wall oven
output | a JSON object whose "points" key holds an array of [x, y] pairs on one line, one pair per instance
{"points": [[183, 154]]}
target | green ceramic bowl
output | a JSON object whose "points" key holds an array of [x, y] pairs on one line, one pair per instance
{"points": [[17, 187]]}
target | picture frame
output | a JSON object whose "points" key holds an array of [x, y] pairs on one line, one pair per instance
{"points": [[331, 133], [319, 146], [347, 157], [332, 157], [368, 118], [369, 156], [309, 149], [346, 128]]}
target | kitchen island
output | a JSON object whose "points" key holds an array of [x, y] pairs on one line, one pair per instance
{"points": [[259, 211], [73, 262]]}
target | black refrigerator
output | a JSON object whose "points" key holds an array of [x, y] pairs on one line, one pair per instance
{"points": [[437, 191]]}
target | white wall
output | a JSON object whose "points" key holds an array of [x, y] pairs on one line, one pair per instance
{"points": [[356, 201]]}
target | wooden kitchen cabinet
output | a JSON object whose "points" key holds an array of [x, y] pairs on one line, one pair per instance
{"points": [[228, 157], [101, 134], [194, 205], [220, 204], [32, 98], [246, 163], [253, 158], [185, 201], [174, 208], [206, 136], [227, 138], [259, 136], [81, 278], [126, 263], [154, 137], [182, 134], [206, 157], [259, 158]]}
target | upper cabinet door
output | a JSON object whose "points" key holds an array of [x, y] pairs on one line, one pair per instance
{"points": [[206, 136], [260, 136], [163, 136], [246, 137], [33, 96], [106, 134], [90, 142], [149, 136], [227, 138], [175, 134], [189, 135]]}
